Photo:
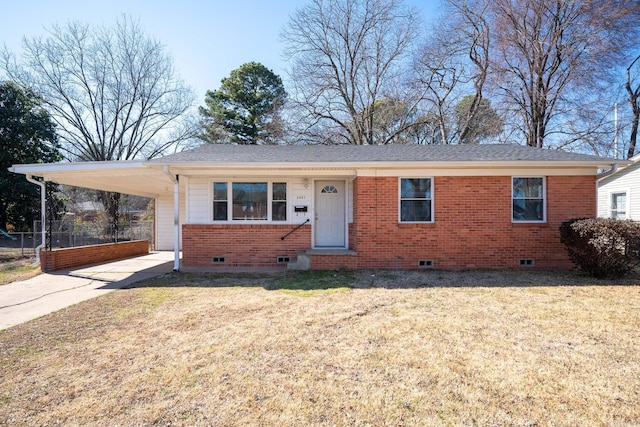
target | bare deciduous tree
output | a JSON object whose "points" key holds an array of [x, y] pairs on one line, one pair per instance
{"points": [[346, 55], [546, 49], [634, 100], [453, 63], [113, 92]]}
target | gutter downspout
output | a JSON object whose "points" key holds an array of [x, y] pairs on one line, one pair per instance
{"points": [[176, 218], [43, 211], [614, 169]]}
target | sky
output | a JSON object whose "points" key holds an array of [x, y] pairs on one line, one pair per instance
{"points": [[207, 39]]}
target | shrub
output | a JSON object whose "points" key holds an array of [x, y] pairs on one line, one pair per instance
{"points": [[604, 248]]}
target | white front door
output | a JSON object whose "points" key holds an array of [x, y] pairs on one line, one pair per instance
{"points": [[330, 214]]}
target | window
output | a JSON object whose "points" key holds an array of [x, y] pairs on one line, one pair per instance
{"points": [[279, 201], [416, 200], [249, 201], [619, 205], [528, 200], [220, 201], [330, 189]]}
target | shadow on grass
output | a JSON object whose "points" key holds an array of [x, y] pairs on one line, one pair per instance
{"points": [[384, 279]]}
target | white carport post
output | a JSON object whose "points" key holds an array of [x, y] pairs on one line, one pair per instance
{"points": [[176, 218], [43, 211]]}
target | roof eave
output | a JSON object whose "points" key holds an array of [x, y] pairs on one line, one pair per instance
{"points": [[38, 168], [391, 164]]}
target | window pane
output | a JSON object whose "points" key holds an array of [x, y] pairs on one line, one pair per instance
{"points": [[329, 189], [619, 201], [220, 211], [527, 188], [415, 210], [619, 215], [249, 200], [415, 188], [279, 191], [619, 205], [220, 201], [219, 191], [279, 211], [528, 210]]}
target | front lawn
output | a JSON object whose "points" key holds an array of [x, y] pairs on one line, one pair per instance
{"points": [[337, 348], [17, 269]]}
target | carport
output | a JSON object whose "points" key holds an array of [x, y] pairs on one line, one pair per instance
{"points": [[139, 178]]}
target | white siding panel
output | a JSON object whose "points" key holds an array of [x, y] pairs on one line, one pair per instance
{"points": [[626, 180], [198, 209], [300, 194], [164, 221]]}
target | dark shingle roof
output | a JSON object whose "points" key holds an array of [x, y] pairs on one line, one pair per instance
{"points": [[226, 153]]}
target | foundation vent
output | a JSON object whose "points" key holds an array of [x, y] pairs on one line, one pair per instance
{"points": [[217, 260], [526, 262], [283, 259], [425, 263]]}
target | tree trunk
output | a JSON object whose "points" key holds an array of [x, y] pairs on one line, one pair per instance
{"points": [[111, 202], [3, 216], [634, 133]]}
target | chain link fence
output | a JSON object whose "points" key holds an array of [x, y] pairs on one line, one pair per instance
{"points": [[66, 234]]}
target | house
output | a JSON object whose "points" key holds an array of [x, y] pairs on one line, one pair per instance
{"points": [[619, 192], [328, 207]]}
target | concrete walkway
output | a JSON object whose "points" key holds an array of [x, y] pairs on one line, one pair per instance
{"points": [[49, 292]]}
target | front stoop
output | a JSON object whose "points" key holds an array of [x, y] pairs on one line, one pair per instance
{"points": [[303, 261]]}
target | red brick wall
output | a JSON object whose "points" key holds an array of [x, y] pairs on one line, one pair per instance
{"points": [[62, 259], [472, 227], [333, 262], [241, 245]]}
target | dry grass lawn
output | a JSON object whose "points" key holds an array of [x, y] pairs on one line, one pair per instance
{"points": [[20, 268], [324, 349]]}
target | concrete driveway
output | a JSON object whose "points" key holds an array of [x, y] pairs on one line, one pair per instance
{"points": [[49, 292]]}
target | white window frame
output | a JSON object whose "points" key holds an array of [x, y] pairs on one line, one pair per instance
{"points": [[230, 219], [627, 193], [544, 201], [432, 199]]}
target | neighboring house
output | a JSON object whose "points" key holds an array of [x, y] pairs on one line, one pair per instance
{"points": [[327, 207], [86, 211], [619, 192]]}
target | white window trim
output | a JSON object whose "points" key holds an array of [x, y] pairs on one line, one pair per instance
{"points": [[544, 201], [400, 221], [627, 192], [269, 219]]}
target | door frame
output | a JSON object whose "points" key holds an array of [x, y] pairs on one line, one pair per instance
{"points": [[345, 182]]}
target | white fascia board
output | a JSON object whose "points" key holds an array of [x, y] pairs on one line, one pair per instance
{"points": [[512, 171], [39, 169], [383, 168]]}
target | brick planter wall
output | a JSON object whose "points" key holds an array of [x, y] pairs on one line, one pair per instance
{"points": [[241, 245], [65, 258]]}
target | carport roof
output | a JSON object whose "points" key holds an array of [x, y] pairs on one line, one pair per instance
{"points": [[129, 177]]}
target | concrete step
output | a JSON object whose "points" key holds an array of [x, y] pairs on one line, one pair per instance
{"points": [[301, 263]]}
